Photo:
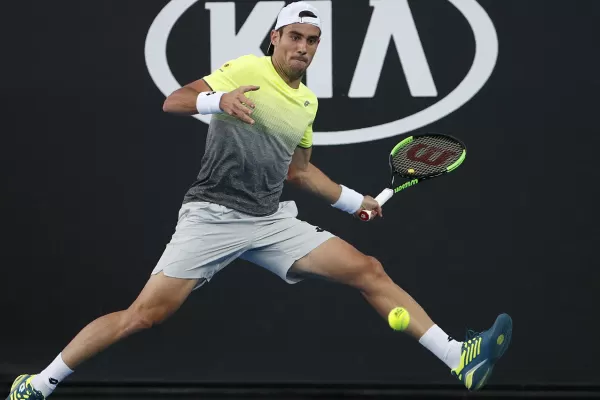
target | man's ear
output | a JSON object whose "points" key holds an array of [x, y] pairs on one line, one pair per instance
{"points": [[274, 38]]}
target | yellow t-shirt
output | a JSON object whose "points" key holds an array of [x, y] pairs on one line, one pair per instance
{"points": [[244, 166]]}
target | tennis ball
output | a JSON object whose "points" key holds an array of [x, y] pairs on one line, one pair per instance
{"points": [[399, 318], [411, 171]]}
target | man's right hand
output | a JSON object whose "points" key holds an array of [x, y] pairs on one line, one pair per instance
{"points": [[236, 104]]}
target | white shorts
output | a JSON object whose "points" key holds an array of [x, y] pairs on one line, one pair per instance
{"points": [[210, 236]]}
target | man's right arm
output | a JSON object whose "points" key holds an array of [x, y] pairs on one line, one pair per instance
{"points": [[183, 101]]}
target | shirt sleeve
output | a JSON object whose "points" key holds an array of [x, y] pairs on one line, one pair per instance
{"points": [[307, 139], [230, 74]]}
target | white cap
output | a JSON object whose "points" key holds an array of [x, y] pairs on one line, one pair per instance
{"points": [[290, 14]]}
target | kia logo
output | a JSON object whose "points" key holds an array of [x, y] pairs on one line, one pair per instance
{"points": [[390, 19]]}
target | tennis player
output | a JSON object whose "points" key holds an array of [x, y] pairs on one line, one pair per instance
{"points": [[259, 137]]}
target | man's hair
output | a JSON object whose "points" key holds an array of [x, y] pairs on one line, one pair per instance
{"points": [[280, 30]]}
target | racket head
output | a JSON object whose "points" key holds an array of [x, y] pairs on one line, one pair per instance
{"points": [[426, 155], [419, 157]]}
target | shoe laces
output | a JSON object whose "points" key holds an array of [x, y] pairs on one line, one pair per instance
{"points": [[38, 394], [471, 334]]}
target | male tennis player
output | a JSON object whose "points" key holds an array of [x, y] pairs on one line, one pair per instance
{"points": [[260, 135]]}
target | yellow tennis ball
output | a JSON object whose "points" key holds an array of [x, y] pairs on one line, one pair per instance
{"points": [[399, 318], [411, 171]]}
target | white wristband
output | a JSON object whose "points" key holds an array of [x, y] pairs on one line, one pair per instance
{"points": [[208, 102], [350, 200]]}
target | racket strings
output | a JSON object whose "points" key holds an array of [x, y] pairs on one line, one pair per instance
{"points": [[426, 155]]}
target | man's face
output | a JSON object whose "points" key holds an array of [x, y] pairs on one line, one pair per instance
{"points": [[296, 47]]}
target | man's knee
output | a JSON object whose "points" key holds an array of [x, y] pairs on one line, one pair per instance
{"points": [[141, 316], [158, 301], [375, 268], [371, 273]]}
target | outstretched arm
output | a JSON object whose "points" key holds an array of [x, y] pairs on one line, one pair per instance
{"points": [[305, 175]]}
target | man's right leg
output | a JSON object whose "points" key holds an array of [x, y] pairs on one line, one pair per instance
{"points": [[199, 248], [159, 299]]}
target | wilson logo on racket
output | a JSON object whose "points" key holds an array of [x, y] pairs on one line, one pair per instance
{"points": [[406, 185], [429, 155]]}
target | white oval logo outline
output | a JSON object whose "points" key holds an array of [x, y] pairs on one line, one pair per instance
{"points": [[484, 62]]}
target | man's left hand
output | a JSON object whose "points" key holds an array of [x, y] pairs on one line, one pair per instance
{"points": [[370, 204]]}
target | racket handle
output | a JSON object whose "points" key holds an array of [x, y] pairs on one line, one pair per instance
{"points": [[382, 198]]}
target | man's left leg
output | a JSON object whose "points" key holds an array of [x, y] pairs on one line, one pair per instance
{"points": [[339, 261], [471, 361], [294, 249]]}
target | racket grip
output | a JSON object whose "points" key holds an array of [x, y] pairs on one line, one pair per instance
{"points": [[382, 198]]}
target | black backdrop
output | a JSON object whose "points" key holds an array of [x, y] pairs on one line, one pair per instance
{"points": [[94, 172]]}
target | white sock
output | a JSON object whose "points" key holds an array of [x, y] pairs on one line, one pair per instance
{"points": [[443, 346], [47, 380]]}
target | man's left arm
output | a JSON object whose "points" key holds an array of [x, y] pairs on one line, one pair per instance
{"points": [[305, 175]]}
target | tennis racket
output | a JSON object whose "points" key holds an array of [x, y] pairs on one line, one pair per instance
{"points": [[417, 158]]}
